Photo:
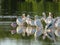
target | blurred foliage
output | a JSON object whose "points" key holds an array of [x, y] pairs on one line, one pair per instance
{"points": [[9, 7], [32, 7], [15, 6]]}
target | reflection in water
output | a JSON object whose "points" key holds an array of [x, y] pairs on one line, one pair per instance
{"points": [[14, 42], [8, 41], [29, 30], [20, 29]]}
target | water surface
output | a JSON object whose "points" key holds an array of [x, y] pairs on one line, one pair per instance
{"points": [[6, 38]]}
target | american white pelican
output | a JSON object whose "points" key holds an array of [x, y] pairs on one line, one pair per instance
{"points": [[50, 22], [50, 28], [37, 22], [28, 19], [50, 31], [54, 26], [21, 20], [49, 19], [39, 27], [57, 24]]}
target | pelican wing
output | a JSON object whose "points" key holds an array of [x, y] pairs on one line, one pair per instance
{"points": [[38, 23], [19, 21], [57, 24]]}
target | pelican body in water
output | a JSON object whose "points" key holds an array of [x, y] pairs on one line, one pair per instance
{"points": [[28, 20], [39, 27], [57, 23], [48, 19], [57, 26], [49, 28], [21, 20]]}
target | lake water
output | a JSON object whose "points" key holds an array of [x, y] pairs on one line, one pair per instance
{"points": [[13, 41], [9, 41]]}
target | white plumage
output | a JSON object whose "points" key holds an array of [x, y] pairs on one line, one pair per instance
{"points": [[39, 27], [37, 22], [28, 20], [57, 24], [19, 21], [57, 33]]}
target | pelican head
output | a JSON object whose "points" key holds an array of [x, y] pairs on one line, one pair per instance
{"points": [[28, 16], [44, 15], [50, 14], [36, 16], [23, 15]]}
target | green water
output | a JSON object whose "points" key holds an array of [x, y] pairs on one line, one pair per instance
{"points": [[6, 38]]}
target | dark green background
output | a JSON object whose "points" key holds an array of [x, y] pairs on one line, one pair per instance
{"points": [[16, 7]]}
